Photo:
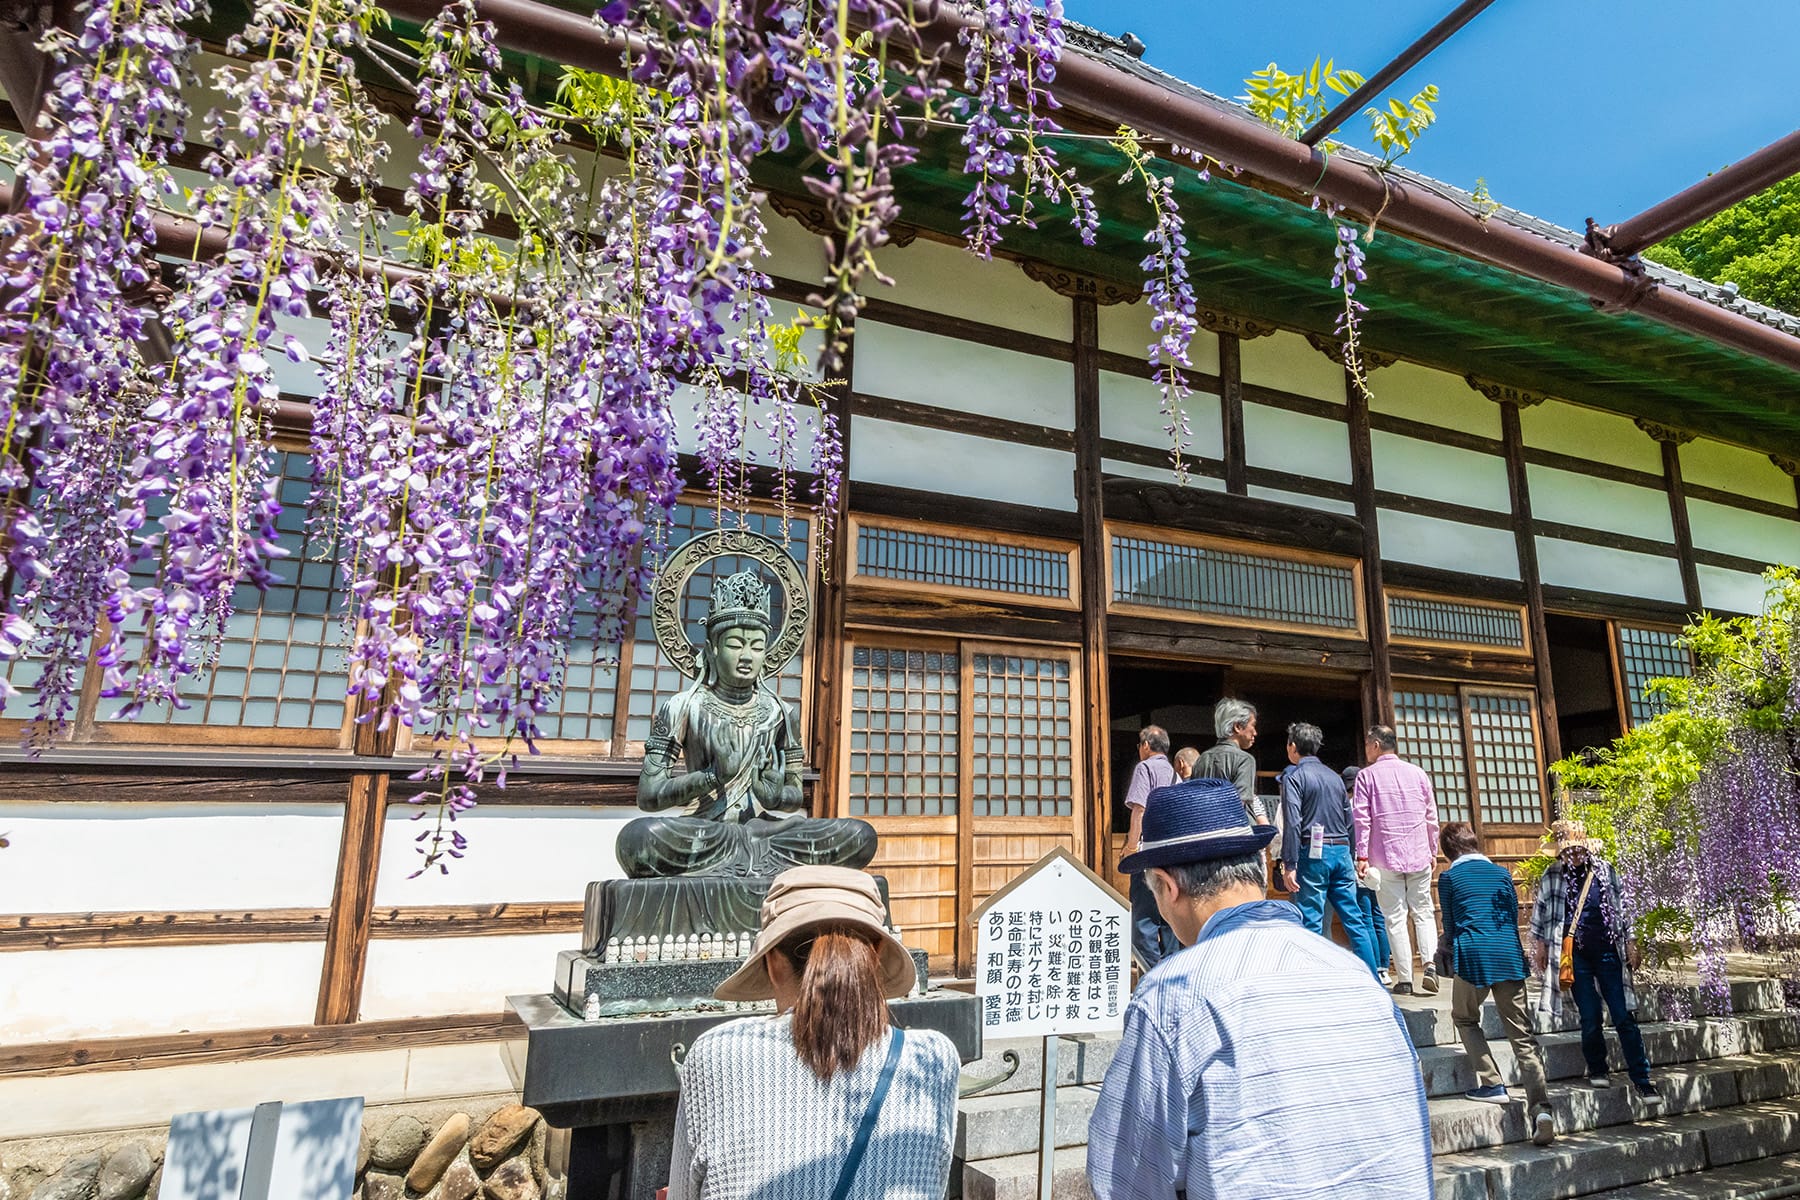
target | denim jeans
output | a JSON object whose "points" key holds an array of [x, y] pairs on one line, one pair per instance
{"points": [[1332, 879], [1371, 910], [1151, 936], [1600, 975]]}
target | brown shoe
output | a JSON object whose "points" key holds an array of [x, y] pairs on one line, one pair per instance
{"points": [[1403, 989]]}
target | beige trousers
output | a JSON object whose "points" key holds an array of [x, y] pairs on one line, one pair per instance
{"points": [[1509, 1001], [1405, 894]]}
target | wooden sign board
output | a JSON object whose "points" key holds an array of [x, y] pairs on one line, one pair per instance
{"points": [[1053, 953]]}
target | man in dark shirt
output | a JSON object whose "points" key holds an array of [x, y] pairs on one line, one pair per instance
{"points": [[1315, 843], [1235, 723]]}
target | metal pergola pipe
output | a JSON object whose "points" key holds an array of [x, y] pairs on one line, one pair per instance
{"points": [[1405, 61], [1718, 191], [1118, 97]]}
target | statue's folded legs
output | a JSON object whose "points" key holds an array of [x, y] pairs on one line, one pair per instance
{"points": [[652, 847]]}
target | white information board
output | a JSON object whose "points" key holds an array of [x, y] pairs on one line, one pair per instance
{"points": [[1053, 953]]}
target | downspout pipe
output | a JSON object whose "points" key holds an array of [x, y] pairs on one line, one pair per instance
{"points": [[1405, 61], [1718, 191], [1109, 95]]}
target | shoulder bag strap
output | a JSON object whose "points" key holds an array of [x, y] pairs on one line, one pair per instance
{"points": [[1581, 900], [860, 1146]]}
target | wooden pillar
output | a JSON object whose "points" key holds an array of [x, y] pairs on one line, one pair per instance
{"points": [[1525, 538], [828, 621], [1231, 414], [353, 893], [1671, 441], [1378, 687], [1096, 709]]}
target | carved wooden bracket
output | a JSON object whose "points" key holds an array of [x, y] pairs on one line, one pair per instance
{"points": [[1217, 320], [815, 219], [1664, 433], [1504, 393], [1330, 347], [1790, 465], [1077, 286]]}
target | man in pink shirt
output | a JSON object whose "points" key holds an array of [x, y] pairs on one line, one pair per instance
{"points": [[1394, 814]]}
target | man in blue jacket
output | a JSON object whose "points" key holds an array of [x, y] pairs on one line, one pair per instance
{"points": [[1315, 843], [1481, 943]]}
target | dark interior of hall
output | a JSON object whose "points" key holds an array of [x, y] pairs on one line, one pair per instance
{"points": [[1587, 708], [1179, 696]]}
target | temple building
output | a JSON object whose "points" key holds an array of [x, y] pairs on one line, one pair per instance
{"points": [[1493, 550]]}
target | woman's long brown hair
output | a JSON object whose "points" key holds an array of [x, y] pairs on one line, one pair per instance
{"points": [[841, 1011]]}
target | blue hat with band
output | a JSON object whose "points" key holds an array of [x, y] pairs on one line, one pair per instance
{"points": [[1197, 821]]}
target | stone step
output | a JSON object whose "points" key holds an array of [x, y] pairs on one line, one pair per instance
{"points": [[1009, 1123], [1763, 1177], [1080, 1059], [1015, 1177], [1605, 1160], [1428, 1020]]}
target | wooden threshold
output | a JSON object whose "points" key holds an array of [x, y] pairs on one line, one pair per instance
{"points": [[71, 931]]}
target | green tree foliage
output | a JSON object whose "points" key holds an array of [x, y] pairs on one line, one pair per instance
{"points": [[1755, 244]]}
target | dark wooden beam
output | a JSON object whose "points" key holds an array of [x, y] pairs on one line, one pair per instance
{"points": [[1525, 538], [828, 616], [77, 931], [353, 891], [1670, 441], [1156, 637], [1090, 503], [1231, 414], [886, 500], [963, 615], [955, 420], [1378, 693]]}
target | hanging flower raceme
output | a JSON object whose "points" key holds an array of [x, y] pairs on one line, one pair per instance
{"points": [[1347, 271]]}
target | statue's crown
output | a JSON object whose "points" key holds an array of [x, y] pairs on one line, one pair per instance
{"points": [[741, 598]]}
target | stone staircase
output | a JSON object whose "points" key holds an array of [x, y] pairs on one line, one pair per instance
{"points": [[1727, 1125]]}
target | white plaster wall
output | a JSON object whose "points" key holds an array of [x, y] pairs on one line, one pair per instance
{"points": [[1598, 569], [1163, 474], [950, 280], [1131, 411], [759, 432], [1296, 443], [1591, 503], [1417, 468], [1737, 470], [125, 991], [1730, 591], [1750, 535], [1125, 329], [519, 853], [1288, 362], [1588, 433], [166, 857], [1323, 503], [956, 464], [421, 977], [1434, 397], [1447, 545], [904, 364]]}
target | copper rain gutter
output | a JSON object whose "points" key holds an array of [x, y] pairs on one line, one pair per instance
{"points": [[1718, 191]]}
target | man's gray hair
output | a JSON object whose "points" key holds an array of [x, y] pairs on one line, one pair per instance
{"points": [[1204, 880], [1231, 715], [1155, 737]]}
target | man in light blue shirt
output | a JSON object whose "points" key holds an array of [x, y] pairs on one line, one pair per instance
{"points": [[1264, 1061]]}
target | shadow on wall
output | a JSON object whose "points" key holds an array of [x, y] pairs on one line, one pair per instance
{"points": [[271, 1152]]}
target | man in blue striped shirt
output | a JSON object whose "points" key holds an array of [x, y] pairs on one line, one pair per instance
{"points": [[1262, 1062]]}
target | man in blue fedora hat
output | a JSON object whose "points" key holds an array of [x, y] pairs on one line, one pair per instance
{"points": [[1262, 1060]]}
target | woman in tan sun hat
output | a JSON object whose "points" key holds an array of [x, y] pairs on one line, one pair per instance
{"points": [[826, 1098]]}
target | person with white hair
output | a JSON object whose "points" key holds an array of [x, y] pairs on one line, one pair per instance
{"points": [[1234, 722]]}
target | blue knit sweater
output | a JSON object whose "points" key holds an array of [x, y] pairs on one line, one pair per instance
{"points": [[1481, 921]]}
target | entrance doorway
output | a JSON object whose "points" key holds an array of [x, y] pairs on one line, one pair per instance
{"points": [[1180, 696], [1581, 664]]}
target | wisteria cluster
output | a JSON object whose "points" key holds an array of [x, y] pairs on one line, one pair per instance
{"points": [[513, 362], [1348, 270]]}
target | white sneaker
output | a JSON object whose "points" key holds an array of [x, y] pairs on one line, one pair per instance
{"points": [[1386, 976], [1543, 1128]]}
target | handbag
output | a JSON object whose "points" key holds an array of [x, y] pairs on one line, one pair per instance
{"points": [[1565, 973], [860, 1146]]}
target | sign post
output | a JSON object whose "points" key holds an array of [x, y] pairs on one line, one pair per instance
{"points": [[1052, 958]]}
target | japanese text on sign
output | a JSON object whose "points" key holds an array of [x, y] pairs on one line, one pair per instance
{"points": [[1052, 954]]}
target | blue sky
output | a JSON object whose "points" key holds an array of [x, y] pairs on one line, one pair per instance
{"points": [[1569, 110]]}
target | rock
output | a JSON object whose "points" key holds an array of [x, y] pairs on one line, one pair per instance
{"points": [[438, 1153], [511, 1180], [501, 1136], [460, 1182], [126, 1172], [151, 1192], [77, 1179], [364, 1147], [396, 1148], [379, 1185]]}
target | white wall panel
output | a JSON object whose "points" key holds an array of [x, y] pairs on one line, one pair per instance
{"points": [[904, 364], [1322, 503], [956, 464], [1750, 535], [1589, 433], [421, 977], [1730, 591], [1433, 397], [1125, 329], [1160, 474], [1599, 569], [515, 854], [1131, 411], [1296, 443], [125, 991], [1736, 470], [1288, 362], [758, 437], [1591, 503], [167, 857], [1417, 468], [1447, 545], [948, 279]]}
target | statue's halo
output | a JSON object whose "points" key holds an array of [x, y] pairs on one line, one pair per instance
{"points": [[671, 586]]}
